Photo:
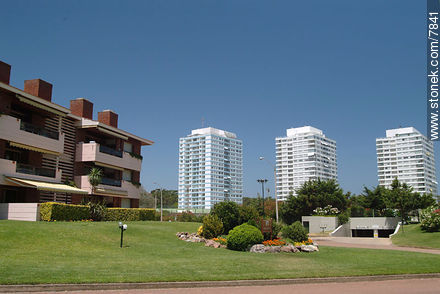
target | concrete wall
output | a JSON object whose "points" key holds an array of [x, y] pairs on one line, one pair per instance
{"points": [[371, 223], [316, 223], [20, 211]]}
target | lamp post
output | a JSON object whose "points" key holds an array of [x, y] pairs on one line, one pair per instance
{"points": [[275, 181], [161, 200], [123, 227], [262, 181]]}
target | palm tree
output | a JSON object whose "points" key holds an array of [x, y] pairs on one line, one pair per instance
{"points": [[95, 178]]}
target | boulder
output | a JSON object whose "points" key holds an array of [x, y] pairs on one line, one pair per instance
{"points": [[258, 248], [289, 248], [273, 249], [212, 243], [308, 248]]}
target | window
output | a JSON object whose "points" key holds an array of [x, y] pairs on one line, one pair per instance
{"points": [[128, 147]]}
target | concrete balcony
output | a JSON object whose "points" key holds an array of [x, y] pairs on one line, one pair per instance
{"points": [[96, 153], [14, 169], [126, 190], [133, 190], [14, 130]]}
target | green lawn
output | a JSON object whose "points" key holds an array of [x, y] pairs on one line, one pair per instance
{"points": [[413, 236], [62, 252]]}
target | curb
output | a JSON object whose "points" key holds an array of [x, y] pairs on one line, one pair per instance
{"points": [[205, 284]]}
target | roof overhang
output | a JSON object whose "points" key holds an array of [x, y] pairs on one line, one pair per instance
{"points": [[110, 192], [84, 123], [36, 101]]}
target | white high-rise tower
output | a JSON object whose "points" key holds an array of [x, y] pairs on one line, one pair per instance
{"points": [[408, 155], [210, 169], [304, 154]]}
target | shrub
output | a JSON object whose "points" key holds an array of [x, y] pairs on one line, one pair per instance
{"points": [[247, 213], [431, 219], [344, 217], [189, 217], [228, 213], [295, 232], [130, 214], [97, 210], [212, 226], [244, 236], [51, 211]]}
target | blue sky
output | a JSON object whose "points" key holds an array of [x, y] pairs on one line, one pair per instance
{"points": [[255, 68]]}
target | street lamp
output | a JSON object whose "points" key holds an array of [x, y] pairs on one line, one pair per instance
{"points": [[161, 189], [262, 181], [275, 181]]}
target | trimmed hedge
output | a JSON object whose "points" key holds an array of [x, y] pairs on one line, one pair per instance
{"points": [[130, 214], [51, 211]]}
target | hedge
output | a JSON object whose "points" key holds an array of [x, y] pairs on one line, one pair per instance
{"points": [[51, 211], [130, 214]]}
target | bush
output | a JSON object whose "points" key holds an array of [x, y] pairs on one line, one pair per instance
{"points": [[130, 214], [247, 213], [295, 232], [344, 217], [189, 217], [431, 219], [244, 236], [51, 211], [212, 226], [97, 210], [228, 213]]}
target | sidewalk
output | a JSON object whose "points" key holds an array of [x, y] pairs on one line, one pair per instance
{"points": [[368, 243]]}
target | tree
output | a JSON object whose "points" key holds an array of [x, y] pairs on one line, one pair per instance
{"points": [[95, 178], [228, 213], [169, 197], [313, 194], [402, 197], [375, 199]]}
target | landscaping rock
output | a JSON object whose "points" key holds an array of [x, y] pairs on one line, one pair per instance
{"points": [[193, 237], [272, 249], [258, 248], [212, 243], [309, 248], [289, 248]]}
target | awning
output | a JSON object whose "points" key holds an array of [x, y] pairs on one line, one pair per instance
{"points": [[45, 186], [40, 105], [110, 192], [41, 150]]}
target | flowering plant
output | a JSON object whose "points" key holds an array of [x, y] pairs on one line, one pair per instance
{"points": [[430, 219], [328, 210], [200, 230], [221, 240], [274, 242], [308, 242]]}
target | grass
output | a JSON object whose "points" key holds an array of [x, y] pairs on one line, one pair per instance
{"points": [[413, 236], [63, 252]]}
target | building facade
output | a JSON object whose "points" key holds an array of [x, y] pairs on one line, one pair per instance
{"points": [[210, 169], [408, 155], [304, 154], [47, 150]]}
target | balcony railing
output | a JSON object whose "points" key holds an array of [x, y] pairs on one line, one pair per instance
{"points": [[27, 127], [38, 171], [110, 151], [111, 182]]}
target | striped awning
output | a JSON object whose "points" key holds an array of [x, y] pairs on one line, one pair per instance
{"points": [[32, 148], [45, 186]]}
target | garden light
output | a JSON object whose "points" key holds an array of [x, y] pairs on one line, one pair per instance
{"points": [[123, 227]]}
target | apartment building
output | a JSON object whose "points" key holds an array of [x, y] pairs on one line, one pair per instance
{"points": [[45, 148], [304, 154], [210, 169], [408, 155]]}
